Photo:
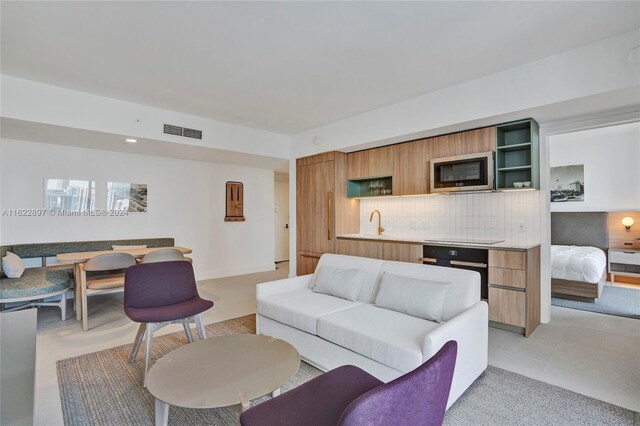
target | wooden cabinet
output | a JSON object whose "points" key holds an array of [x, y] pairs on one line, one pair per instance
{"points": [[315, 187], [322, 207], [402, 252], [371, 249], [307, 262], [371, 163], [507, 306], [410, 172], [514, 288]]}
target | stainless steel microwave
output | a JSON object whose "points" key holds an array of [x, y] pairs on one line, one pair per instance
{"points": [[471, 172]]}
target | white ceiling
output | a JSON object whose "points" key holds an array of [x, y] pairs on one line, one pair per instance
{"points": [[288, 66]]}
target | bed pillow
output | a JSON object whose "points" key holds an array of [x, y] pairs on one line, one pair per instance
{"points": [[115, 247], [416, 297], [342, 283], [12, 265]]}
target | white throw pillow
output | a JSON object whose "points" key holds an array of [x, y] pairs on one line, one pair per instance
{"points": [[12, 265], [342, 283], [416, 297], [129, 247]]}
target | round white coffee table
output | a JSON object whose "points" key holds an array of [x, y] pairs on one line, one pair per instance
{"points": [[221, 372]]}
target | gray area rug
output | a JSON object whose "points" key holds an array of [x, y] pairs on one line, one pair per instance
{"points": [[619, 301], [104, 389]]}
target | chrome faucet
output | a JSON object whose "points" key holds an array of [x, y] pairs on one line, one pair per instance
{"points": [[380, 228]]}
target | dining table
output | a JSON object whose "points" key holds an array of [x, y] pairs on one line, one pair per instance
{"points": [[80, 258]]}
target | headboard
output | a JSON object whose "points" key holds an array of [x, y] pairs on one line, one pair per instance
{"points": [[580, 229]]}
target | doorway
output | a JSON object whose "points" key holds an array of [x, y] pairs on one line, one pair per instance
{"points": [[281, 214]]}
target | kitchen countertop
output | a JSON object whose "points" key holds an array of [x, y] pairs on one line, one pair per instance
{"points": [[503, 245]]}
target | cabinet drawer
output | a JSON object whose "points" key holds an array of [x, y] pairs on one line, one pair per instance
{"points": [[508, 259], [628, 257], [508, 277], [507, 306]]}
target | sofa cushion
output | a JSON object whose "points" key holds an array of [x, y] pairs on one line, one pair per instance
{"points": [[386, 336], [338, 282], [419, 298], [12, 265], [369, 266], [301, 308], [464, 287]]}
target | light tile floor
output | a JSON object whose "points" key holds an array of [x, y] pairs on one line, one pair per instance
{"points": [[597, 355]]}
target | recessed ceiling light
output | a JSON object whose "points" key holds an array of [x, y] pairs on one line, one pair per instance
{"points": [[131, 140]]}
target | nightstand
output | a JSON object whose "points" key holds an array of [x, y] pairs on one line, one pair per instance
{"points": [[624, 262]]}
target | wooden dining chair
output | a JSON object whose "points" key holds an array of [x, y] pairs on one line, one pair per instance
{"points": [[110, 282], [164, 255]]}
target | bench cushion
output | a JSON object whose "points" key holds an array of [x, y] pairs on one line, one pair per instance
{"points": [[33, 283], [53, 249], [386, 336]]}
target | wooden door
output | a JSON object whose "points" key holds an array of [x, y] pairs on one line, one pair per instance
{"points": [[402, 252], [307, 262], [371, 249], [371, 163], [315, 192], [410, 173]]}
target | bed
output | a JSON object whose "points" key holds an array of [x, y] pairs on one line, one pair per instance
{"points": [[579, 242]]}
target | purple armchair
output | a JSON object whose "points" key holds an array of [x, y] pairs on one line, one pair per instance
{"points": [[158, 294], [348, 396]]}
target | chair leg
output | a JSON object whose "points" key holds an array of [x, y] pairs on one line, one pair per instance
{"points": [[187, 331], [147, 351], [136, 343], [85, 314], [200, 325], [63, 307]]}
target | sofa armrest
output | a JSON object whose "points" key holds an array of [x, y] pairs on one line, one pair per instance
{"points": [[471, 330], [282, 286]]}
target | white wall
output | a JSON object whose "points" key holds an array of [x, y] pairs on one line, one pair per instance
{"points": [[611, 158], [495, 216], [186, 201], [31, 101], [590, 70]]}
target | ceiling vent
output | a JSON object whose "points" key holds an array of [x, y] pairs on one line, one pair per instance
{"points": [[182, 131]]}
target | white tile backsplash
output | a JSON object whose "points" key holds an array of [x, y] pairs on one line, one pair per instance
{"points": [[495, 215]]}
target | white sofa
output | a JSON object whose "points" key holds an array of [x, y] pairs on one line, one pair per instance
{"points": [[329, 331]]}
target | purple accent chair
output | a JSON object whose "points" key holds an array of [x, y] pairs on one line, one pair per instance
{"points": [[159, 294], [349, 396]]}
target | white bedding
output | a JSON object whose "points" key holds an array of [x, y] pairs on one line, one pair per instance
{"points": [[577, 263]]}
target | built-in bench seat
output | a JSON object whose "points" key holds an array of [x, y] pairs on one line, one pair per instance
{"points": [[45, 282]]}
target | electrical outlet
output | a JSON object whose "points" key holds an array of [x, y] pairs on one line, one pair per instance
{"points": [[522, 227]]}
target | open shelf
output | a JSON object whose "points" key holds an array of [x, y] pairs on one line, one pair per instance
{"points": [[370, 187], [517, 154], [513, 169], [515, 147]]}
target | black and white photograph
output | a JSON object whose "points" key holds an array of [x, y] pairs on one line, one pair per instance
{"points": [[129, 197], [567, 183]]}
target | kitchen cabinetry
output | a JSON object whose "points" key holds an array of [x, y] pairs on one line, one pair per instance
{"points": [[514, 288], [377, 162], [517, 154], [402, 252], [371, 249], [410, 174], [322, 207]]}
